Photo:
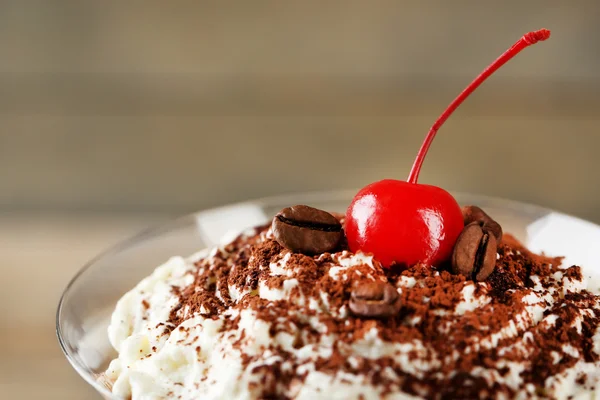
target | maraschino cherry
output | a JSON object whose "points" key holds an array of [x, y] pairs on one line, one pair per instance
{"points": [[406, 222]]}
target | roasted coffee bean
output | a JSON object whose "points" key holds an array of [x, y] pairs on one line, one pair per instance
{"points": [[374, 300], [307, 230], [475, 253], [475, 214]]}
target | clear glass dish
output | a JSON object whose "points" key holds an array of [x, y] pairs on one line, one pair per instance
{"points": [[89, 299]]}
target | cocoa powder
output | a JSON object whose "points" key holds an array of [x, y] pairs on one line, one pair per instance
{"points": [[451, 341]]}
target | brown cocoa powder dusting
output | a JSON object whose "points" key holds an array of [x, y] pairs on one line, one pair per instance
{"points": [[454, 344]]}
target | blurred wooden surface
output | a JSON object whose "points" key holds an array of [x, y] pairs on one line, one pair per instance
{"points": [[177, 107], [185, 164], [39, 254]]}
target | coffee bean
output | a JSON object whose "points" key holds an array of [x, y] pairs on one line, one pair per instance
{"points": [[487, 223], [374, 299], [307, 230], [475, 253]]}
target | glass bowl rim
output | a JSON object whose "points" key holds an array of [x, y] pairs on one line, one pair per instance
{"points": [[289, 198]]}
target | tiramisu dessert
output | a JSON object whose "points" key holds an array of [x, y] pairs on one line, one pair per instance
{"points": [[406, 296]]}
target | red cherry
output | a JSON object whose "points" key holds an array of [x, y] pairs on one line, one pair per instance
{"points": [[402, 222], [405, 222]]}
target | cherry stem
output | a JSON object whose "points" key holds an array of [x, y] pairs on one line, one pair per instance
{"points": [[527, 40]]}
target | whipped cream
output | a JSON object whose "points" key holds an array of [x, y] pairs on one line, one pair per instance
{"points": [[249, 319]]}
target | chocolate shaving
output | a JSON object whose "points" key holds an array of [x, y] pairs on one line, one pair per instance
{"points": [[453, 344]]}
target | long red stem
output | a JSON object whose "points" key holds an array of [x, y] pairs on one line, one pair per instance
{"points": [[527, 40]]}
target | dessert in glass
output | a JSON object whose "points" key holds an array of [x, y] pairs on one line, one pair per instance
{"points": [[400, 291]]}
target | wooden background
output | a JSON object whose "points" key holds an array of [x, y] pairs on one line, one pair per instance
{"points": [[114, 115]]}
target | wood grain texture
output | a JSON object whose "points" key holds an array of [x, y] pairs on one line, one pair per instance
{"points": [[185, 164]]}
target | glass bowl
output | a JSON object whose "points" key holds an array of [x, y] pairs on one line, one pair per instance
{"points": [[86, 305]]}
